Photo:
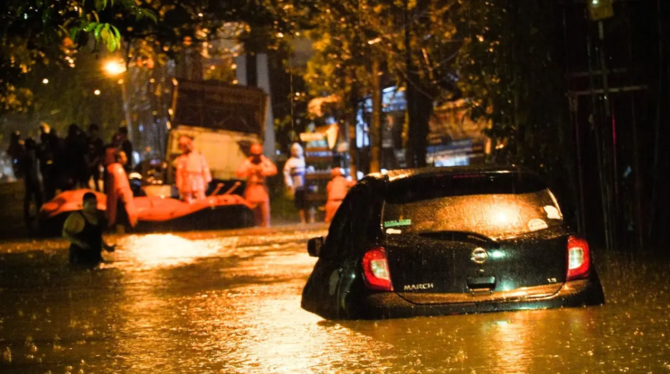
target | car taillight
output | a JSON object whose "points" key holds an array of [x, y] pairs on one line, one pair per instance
{"points": [[579, 258], [376, 270]]}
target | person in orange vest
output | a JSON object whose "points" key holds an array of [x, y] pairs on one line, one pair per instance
{"points": [[193, 173], [109, 157], [120, 207], [111, 151], [255, 169], [337, 190]]}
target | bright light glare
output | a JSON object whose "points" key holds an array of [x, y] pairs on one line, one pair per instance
{"points": [[45, 81], [497, 254], [576, 258], [164, 250], [96, 92], [501, 217], [114, 67], [379, 269]]}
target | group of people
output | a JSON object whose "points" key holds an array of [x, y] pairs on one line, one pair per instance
{"points": [[61, 164], [84, 229], [295, 170], [258, 167]]}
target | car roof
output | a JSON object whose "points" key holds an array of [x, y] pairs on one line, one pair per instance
{"points": [[401, 174]]}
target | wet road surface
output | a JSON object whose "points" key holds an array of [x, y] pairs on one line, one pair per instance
{"points": [[229, 302]]}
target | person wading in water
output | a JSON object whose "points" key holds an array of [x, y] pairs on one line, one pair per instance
{"points": [[84, 231]]}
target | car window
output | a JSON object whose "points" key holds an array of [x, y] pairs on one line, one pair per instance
{"points": [[437, 186], [346, 224], [361, 210], [497, 206]]}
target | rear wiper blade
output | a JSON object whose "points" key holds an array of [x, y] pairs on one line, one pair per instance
{"points": [[453, 235]]}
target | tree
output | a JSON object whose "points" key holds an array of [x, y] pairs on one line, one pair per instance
{"points": [[511, 71], [42, 32], [413, 43]]}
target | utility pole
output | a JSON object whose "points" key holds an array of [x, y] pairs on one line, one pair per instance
{"points": [[352, 123], [376, 123]]}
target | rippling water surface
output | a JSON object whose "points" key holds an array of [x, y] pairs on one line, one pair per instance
{"points": [[229, 302]]}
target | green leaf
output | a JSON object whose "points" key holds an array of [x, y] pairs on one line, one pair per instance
{"points": [[145, 13], [97, 30], [100, 4], [116, 32], [62, 30], [90, 27], [74, 32], [111, 44]]}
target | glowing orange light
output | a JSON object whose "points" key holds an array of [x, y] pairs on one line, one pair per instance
{"points": [[114, 68]]}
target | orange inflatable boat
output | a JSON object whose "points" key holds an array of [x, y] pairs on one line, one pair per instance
{"points": [[158, 214]]}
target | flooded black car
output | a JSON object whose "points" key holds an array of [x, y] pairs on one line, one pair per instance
{"points": [[448, 241]]}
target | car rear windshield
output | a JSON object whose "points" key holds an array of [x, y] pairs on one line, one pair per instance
{"points": [[495, 205]]}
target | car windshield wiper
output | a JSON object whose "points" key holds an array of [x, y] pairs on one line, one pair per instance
{"points": [[458, 235]]}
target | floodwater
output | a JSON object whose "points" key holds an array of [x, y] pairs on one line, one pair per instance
{"points": [[229, 302]]}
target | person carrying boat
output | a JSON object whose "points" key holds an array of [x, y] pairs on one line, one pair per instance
{"points": [[120, 206]]}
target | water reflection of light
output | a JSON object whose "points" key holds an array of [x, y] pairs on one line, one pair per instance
{"points": [[504, 215], [160, 250], [513, 340], [266, 331]]}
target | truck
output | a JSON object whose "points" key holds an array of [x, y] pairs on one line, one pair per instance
{"points": [[223, 120]]}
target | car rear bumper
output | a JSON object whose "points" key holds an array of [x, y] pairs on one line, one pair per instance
{"points": [[391, 305]]}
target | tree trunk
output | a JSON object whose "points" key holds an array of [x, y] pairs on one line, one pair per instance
{"points": [[376, 122], [410, 95], [419, 100], [251, 63], [252, 46], [424, 105]]}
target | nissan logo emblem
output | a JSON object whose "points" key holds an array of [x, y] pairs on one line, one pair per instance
{"points": [[479, 256]]}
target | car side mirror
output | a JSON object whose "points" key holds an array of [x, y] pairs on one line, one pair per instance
{"points": [[314, 246]]}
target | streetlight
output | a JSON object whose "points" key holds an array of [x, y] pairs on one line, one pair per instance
{"points": [[115, 68], [96, 92], [45, 81]]}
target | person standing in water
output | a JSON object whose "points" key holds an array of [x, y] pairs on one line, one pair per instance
{"points": [[337, 188], [83, 230], [193, 175], [294, 178], [31, 180], [255, 169], [121, 211]]}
